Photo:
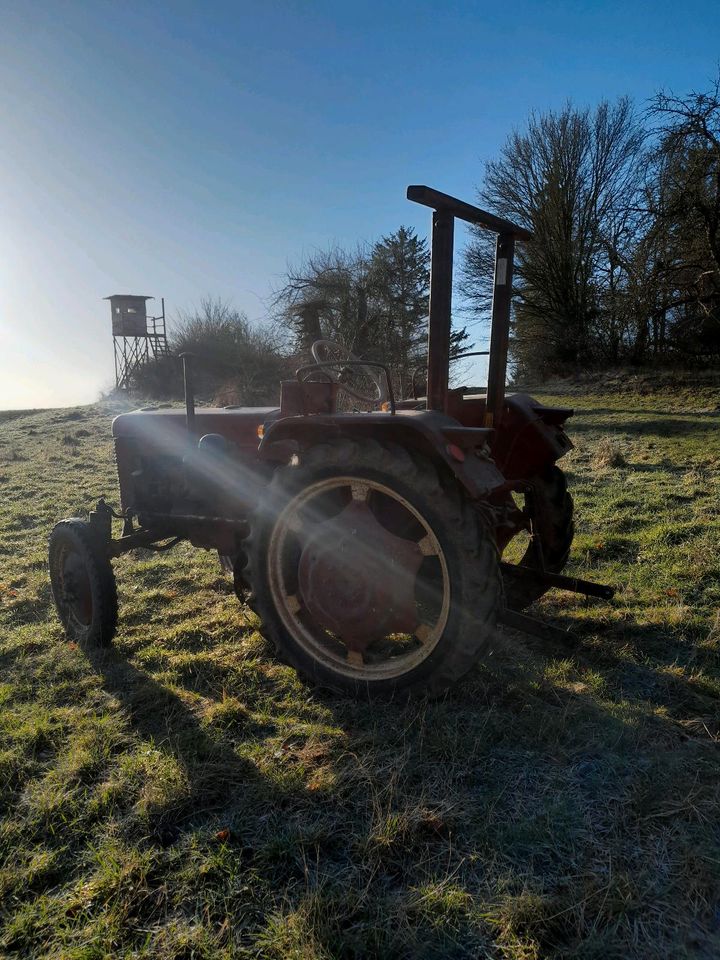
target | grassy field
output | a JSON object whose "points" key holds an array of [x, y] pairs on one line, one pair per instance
{"points": [[186, 797]]}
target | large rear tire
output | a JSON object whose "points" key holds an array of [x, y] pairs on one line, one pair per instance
{"points": [[383, 488], [83, 584], [555, 529]]}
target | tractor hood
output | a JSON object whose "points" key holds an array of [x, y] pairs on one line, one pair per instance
{"points": [[157, 425]]}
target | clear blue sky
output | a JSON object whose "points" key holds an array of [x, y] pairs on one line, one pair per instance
{"points": [[183, 149]]}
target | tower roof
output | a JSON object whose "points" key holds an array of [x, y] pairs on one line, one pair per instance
{"points": [[131, 296]]}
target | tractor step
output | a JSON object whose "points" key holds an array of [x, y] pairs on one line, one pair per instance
{"points": [[559, 580]]}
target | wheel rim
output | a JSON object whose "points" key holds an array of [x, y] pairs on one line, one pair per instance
{"points": [[76, 600], [359, 578]]}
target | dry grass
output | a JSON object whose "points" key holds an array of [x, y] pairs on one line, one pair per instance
{"points": [[186, 797], [607, 453]]}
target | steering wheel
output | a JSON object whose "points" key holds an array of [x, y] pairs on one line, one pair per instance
{"points": [[328, 351]]}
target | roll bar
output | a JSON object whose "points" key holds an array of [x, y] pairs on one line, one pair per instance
{"points": [[465, 211], [445, 210]]}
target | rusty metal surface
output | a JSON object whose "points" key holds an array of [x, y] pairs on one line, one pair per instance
{"points": [[165, 427], [216, 533], [528, 440], [420, 430], [571, 584], [303, 398], [465, 211], [357, 579], [499, 329], [440, 310]]}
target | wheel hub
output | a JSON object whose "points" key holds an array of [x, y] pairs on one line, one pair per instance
{"points": [[357, 579]]}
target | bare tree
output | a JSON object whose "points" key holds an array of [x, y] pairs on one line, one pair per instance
{"points": [[573, 177], [326, 296], [685, 201], [235, 361], [373, 300]]}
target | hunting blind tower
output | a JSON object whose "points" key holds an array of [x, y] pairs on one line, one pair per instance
{"points": [[137, 338]]}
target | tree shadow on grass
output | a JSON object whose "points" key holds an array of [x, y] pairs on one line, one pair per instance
{"points": [[648, 427], [657, 655], [637, 411]]}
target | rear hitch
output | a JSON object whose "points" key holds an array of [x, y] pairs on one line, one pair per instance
{"points": [[573, 584], [542, 575]]}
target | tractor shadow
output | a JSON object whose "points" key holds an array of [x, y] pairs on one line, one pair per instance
{"points": [[506, 768], [659, 427], [219, 780]]}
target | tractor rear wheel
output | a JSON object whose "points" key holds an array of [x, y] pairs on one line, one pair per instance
{"points": [[370, 574], [83, 584], [555, 528]]}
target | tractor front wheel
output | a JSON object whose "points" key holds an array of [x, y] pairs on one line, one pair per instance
{"points": [[83, 584], [370, 573]]}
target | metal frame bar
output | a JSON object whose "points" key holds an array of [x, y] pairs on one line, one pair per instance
{"points": [[187, 359], [562, 582], [500, 327], [440, 309], [445, 210], [465, 211]]}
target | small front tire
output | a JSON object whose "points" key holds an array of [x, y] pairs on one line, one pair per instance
{"points": [[83, 584]]}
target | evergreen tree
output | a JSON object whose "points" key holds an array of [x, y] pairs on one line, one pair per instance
{"points": [[373, 300], [399, 281]]}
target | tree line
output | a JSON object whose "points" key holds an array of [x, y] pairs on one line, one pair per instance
{"points": [[623, 268], [372, 299]]}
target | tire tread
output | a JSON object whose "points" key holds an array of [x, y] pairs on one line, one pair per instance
{"points": [[100, 574]]}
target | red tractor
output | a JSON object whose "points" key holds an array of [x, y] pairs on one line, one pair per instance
{"points": [[369, 543]]}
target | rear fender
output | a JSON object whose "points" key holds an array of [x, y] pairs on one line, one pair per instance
{"points": [[530, 437], [461, 451]]}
